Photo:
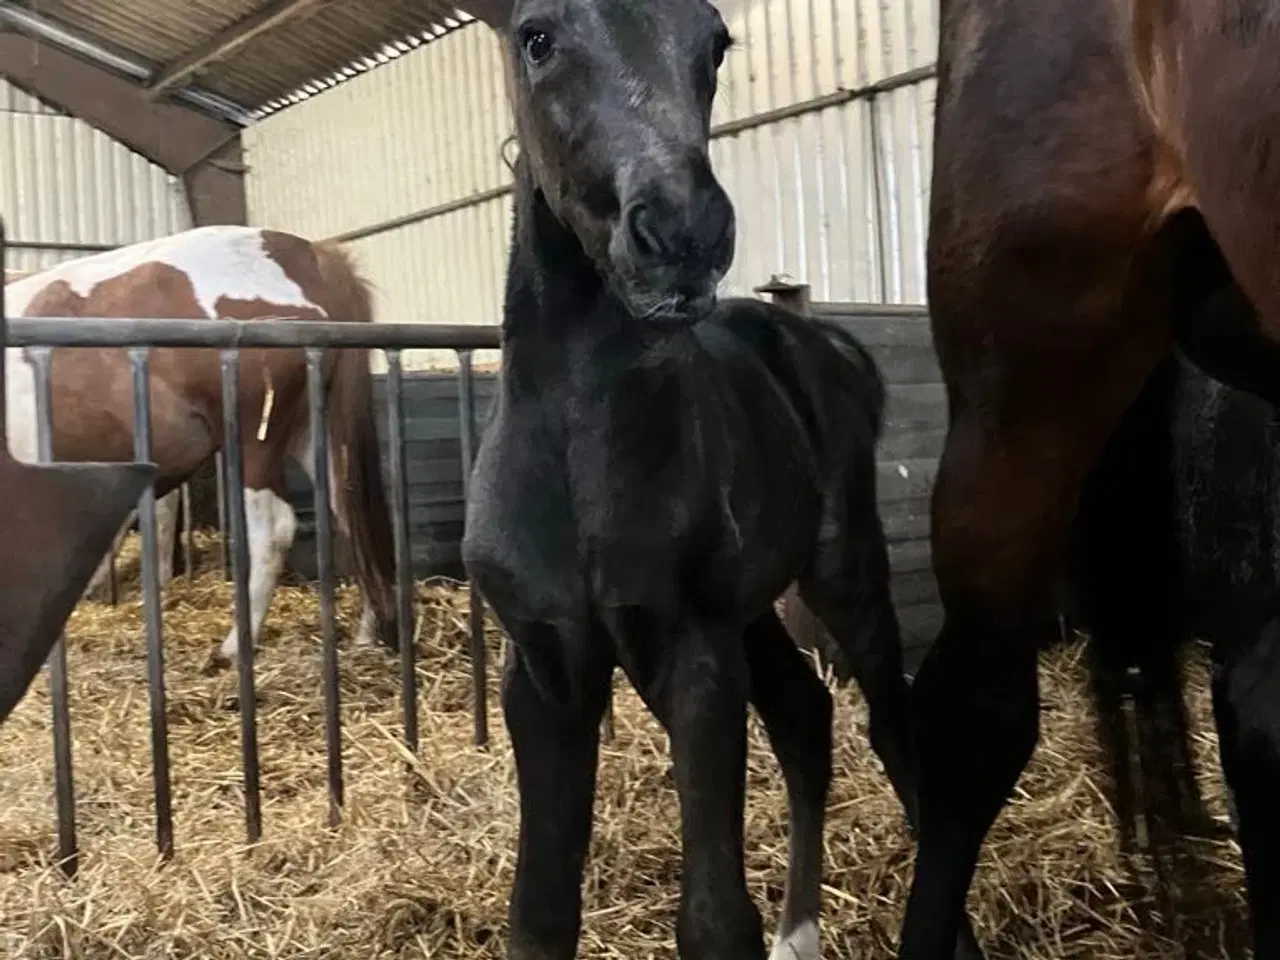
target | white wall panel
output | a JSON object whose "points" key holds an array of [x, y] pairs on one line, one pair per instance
{"points": [[64, 182]]}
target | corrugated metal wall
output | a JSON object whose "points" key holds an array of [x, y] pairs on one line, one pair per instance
{"points": [[64, 183], [420, 133], [830, 181]]}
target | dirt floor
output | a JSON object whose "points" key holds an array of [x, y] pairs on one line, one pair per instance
{"points": [[421, 864]]}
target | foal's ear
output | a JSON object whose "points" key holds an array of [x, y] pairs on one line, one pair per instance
{"points": [[496, 13]]}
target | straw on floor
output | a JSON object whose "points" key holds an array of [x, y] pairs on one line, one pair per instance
{"points": [[421, 864]]}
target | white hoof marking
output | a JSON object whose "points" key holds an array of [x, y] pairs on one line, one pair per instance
{"points": [[800, 944]]}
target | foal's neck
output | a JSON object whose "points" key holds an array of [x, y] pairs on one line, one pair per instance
{"points": [[559, 315]]}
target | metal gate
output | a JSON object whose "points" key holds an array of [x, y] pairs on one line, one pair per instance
{"points": [[138, 336]]}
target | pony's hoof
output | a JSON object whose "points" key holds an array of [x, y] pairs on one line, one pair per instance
{"points": [[217, 663]]}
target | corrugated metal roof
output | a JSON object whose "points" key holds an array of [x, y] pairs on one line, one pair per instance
{"points": [[316, 48]]}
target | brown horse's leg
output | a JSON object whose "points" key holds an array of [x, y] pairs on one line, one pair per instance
{"points": [[1006, 492]]}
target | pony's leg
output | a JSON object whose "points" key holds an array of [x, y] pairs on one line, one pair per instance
{"points": [[97, 589], [556, 745], [847, 588], [367, 632], [695, 678], [271, 524], [167, 532], [795, 707], [1246, 703]]}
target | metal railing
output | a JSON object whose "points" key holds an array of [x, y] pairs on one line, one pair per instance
{"points": [[138, 337]]}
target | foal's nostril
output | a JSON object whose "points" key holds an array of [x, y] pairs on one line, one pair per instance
{"points": [[716, 224], [646, 235]]}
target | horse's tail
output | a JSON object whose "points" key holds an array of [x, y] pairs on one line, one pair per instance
{"points": [[359, 494], [1124, 563]]}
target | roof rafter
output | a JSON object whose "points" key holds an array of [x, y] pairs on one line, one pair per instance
{"points": [[227, 41], [187, 143]]}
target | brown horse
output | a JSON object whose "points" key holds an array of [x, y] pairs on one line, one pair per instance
{"points": [[1106, 179], [237, 273]]}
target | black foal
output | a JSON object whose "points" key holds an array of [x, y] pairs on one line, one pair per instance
{"points": [[659, 467]]}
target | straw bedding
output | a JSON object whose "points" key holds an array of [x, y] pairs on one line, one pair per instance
{"points": [[421, 864]]}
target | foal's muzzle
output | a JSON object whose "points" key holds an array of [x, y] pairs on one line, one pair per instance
{"points": [[672, 248]]}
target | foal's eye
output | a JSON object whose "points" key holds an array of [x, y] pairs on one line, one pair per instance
{"points": [[538, 46]]}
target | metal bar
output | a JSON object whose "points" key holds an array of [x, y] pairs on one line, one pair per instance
{"points": [[227, 334], [138, 360], [220, 475], [239, 550], [58, 246], [902, 311], [479, 667], [732, 128], [897, 81], [188, 534], [404, 559], [319, 419], [878, 201], [63, 777], [427, 213]]}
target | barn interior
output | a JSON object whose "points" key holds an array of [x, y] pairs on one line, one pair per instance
{"points": [[205, 112]]}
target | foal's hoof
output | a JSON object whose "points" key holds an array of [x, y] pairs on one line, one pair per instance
{"points": [[800, 944], [967, 944]]}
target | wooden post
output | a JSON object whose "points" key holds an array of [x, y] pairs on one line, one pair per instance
{"points": [[804, 627]]}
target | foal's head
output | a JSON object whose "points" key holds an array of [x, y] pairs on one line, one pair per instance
{"points": [[612, 100]]}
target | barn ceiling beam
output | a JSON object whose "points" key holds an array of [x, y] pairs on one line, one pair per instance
{"points": [[188, 143], [38, 27], [226, 42]]}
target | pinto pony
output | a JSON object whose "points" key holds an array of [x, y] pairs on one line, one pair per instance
{"points": [[225, 272]]}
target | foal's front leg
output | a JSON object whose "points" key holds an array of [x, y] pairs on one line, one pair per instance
{"points": [[556, 745], [694, 677]]}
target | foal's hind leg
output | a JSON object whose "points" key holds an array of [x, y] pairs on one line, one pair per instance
{"points": [[795, 708], [848, 589]]}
